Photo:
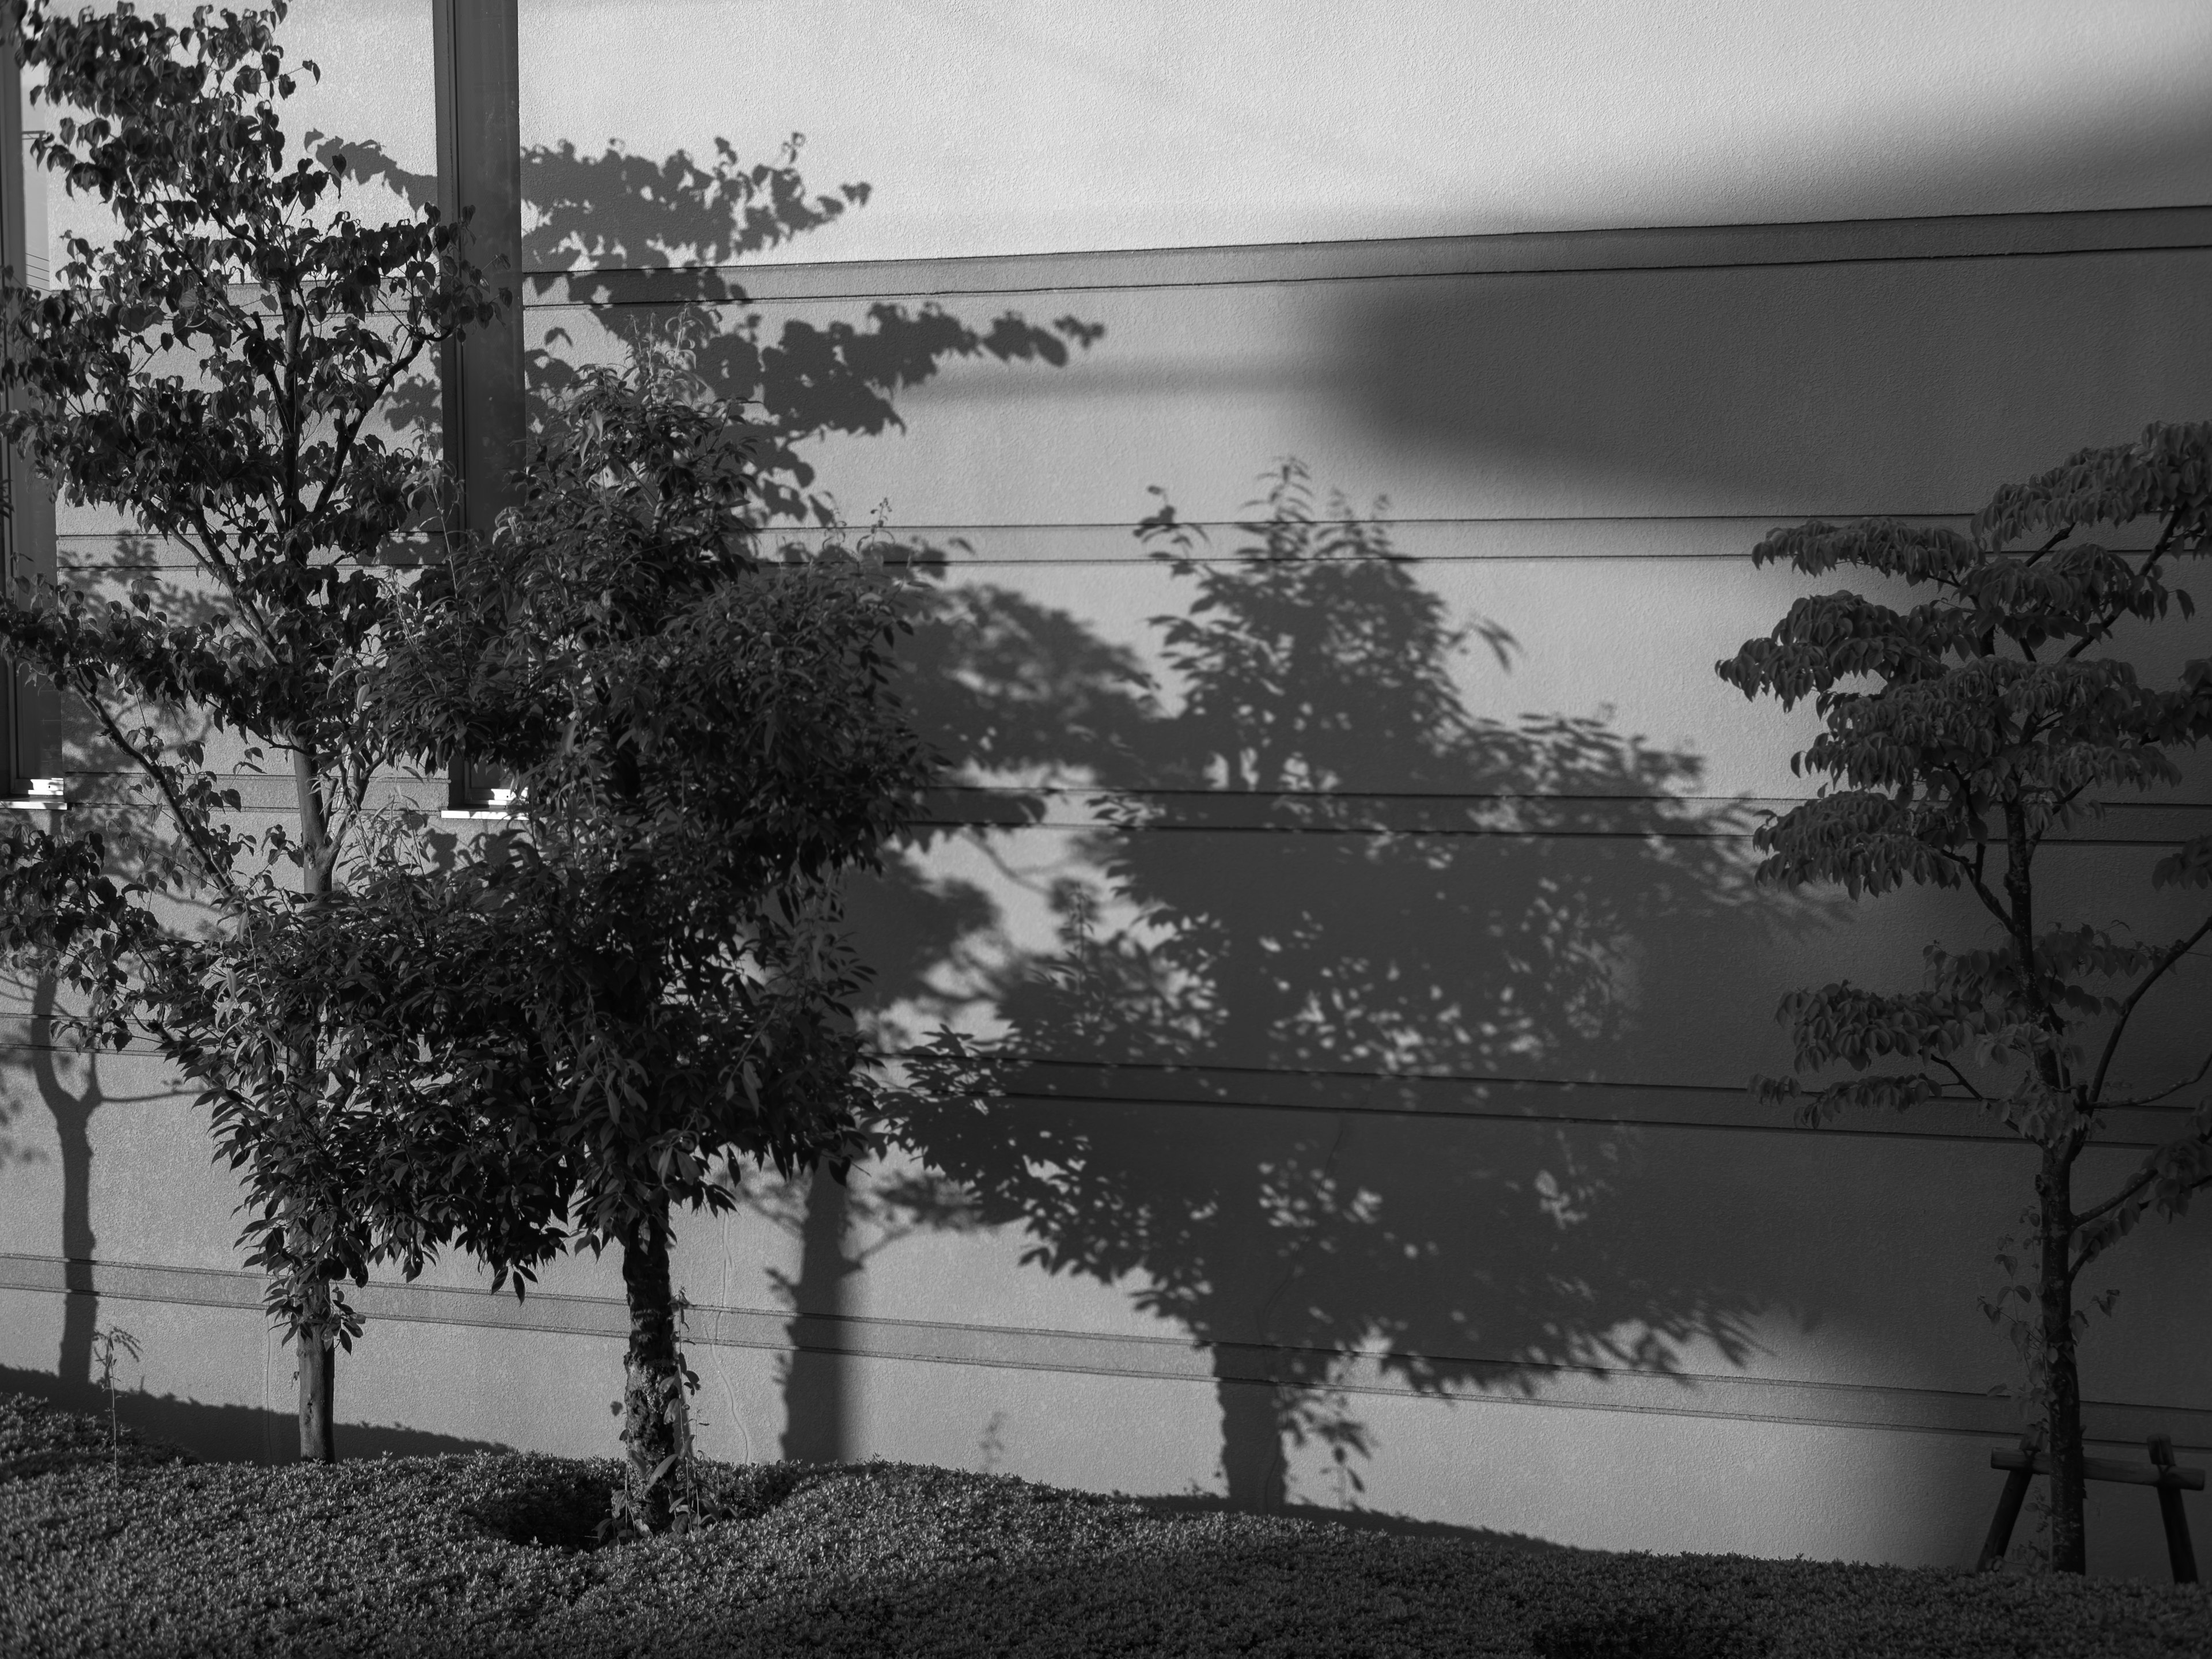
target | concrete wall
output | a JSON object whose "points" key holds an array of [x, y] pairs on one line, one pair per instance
{"points": [[1389, 1001]]}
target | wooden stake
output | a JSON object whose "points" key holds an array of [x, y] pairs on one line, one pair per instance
{"points": [[2177, 1549], [2008, 1502], [2160, 1472]]}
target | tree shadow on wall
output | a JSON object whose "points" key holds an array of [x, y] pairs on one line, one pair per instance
{"points": [[106, 799], [623, 240], [1293, 1075]]}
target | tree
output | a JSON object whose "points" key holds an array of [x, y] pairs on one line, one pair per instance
{"points": [[217, 372], [648, 978], [1959, 734]]}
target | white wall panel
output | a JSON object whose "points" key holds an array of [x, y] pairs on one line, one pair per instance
{"points": [[1025, 126]]}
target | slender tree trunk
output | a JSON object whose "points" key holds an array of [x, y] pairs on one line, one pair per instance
{"points": [[653, 1385], [2054, 1192], [318, 1382], [319, 1356]]}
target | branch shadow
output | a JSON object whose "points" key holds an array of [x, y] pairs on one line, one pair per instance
{"points": [[595, 223], [107, 800]]}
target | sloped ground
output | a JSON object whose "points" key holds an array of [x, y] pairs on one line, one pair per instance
{"points": [[494, 1554]]}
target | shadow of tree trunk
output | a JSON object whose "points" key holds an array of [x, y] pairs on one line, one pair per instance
{"points": [[72, 1115], [1252, 1463], [814, 1380]]}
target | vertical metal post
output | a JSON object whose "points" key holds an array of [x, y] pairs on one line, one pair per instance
{"points": [[480, 173], [25, 718], [2179, 1552]]}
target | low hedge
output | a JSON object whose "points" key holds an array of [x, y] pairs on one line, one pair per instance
{"points": [[494, 1554]]}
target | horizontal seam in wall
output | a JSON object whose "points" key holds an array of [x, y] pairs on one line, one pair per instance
{"points": [[1006, 826], [1420, 834], [1589, 1121], [800, 532], [1182, 791], [2177, 228], [1142, 562], [1840, 1130], [1496, 1079], [1186, 792], [860, 1337], [830, 295]]}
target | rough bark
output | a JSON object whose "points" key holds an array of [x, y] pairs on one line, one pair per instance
{"points": [[319, 1381], [2054, 1192], [652, 1382], [2055, 1230]]}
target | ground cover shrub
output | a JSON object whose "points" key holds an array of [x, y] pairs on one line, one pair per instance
{"points": [[433, 1556], [37, 1437]]}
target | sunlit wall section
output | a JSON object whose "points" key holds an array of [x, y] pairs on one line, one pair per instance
{"points": [[1023, 126]]}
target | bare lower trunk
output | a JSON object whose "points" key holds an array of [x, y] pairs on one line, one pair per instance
{"points": [[319, 1381], [652, 1382], [2054, 1194]]}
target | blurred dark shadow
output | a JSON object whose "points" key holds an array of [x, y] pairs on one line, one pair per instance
{"points": [[228, 1434], [1244, 928], [1746, 389]]}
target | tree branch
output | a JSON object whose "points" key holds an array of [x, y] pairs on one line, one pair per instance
{"points": [[2133, 1188], [346, 432], [2056, 537], [2158, 550], [2152, 1100], [1946, 1062], [2179, 949], [156, 771]]}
